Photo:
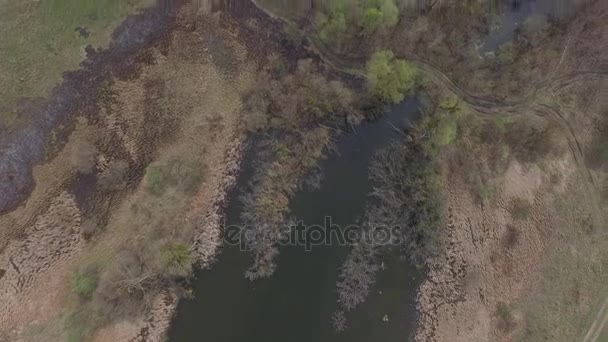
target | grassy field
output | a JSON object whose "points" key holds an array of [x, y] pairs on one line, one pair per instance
{"points": [[41, 39]]}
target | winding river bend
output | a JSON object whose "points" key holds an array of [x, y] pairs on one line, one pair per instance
{"points": [[297, 302]]}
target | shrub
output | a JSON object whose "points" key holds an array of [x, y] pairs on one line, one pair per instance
{"points": [[176, 258], [155, 180], [302, 98], [390, 79], [535, 30], [114, 176], [440, 126], [379, 14], [176, 173], [597, 154], [505, 316], [357, 276], [506, 54], [332, 27], [483, 193], [76, 328], [88, 228], [84, 283], [338, 321], [530, 143], [407, 194], [520, 209], [84, 157], [372, 20], [512, 237]]}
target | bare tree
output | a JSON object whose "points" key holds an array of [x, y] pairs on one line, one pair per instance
{"points": [[338, 321], [357, 275]]}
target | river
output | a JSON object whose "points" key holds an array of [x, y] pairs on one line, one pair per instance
{"points": [[296, 303]]}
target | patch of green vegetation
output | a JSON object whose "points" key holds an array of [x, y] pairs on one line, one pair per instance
{"points": [[502, 123], [390, 79], [39, 42], [84, 283], [155, 180], [506, 54], [507, 321], [79, 323], [177, 173], [483, 193], [379, 14], [441, 126], [332, 26], [176, 258]]}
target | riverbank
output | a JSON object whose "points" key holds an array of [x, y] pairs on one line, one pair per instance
{"points": [[176, 99], [179, 101]]}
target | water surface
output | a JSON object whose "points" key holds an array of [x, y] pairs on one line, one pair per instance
{"points": [[296, 303]]}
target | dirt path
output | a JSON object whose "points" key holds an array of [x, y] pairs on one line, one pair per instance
{"points": [[601, 319], [541, 102]]}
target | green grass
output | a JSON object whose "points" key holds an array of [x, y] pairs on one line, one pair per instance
{"points": [[83, 283], [39, 42]]}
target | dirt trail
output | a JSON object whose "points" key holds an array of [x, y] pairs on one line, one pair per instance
{"points": [[530, 104], [542, 102], [601, 319], [482, 105]]}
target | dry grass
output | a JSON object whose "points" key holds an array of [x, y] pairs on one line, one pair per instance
{"points": [[169, 112]]}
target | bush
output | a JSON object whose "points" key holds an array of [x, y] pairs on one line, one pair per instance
{"points": [[535, 30], [512, 237], [506, 54], [76, 328], [84, 283], [303, 98], [507, 322], [379, 14], [530, 143], [176, 258], [520, 209], [440, 126], [176, 173], [88, 228], [407, 194], [390, 79], [357, 276], [332, 27], [155, 180], [84, 157], [483, 193], [114, 176]]}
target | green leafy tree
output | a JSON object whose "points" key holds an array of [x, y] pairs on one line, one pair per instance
{"points": [[332, 27], [372, 20], [379, 14], [389, 78]]}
